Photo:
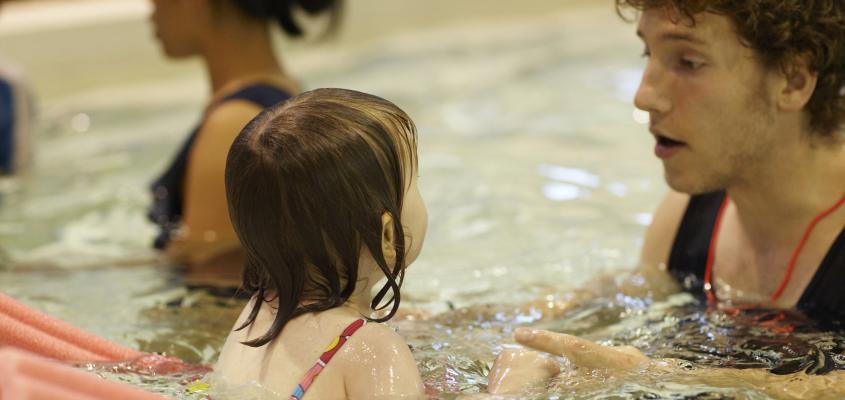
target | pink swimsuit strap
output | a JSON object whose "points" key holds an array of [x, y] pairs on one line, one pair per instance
{"points": [[324, 359]]}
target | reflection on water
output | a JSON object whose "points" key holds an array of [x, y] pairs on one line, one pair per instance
{"points": [[536, 177]]}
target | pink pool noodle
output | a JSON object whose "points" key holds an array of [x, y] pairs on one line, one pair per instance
{"points": [[25, 337], [25, 376], [25, 327], [23, 388]]}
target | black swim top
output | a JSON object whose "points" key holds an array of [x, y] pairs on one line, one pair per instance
{"points": [[166, 209], [824, 297]]}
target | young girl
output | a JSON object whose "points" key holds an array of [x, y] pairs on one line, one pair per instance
{"points": [[322, 193], [233, 39]]}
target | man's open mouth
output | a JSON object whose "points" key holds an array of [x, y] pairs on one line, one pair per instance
{"points": [[665, 141], [666, 147]]}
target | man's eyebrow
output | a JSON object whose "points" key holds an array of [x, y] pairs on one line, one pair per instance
{"points": [[676, 36]]}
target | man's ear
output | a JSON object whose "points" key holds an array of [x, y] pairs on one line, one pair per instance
{"points": [[798, 86], [388, 238]]}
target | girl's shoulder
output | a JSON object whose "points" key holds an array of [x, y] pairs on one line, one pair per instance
{"points": [[374, 334], [378, 363]]}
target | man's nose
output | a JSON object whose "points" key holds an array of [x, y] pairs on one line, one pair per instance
{"points": [[651, 95]]}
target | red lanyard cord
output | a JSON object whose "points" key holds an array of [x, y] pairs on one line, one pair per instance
{"points": [[710, 291]]}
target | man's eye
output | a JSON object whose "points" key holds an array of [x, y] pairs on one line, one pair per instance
{"points": [[690, 64]]}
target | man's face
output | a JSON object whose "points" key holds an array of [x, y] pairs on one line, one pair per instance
{"points": [[709, 99]]}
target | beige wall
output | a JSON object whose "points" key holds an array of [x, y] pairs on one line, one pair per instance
{"points": [[71, 46]]}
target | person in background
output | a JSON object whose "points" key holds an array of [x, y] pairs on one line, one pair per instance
{"points": [[16, 119], [233, 38]]}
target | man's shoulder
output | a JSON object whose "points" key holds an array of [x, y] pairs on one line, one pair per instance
{"points": [[663, 228]]}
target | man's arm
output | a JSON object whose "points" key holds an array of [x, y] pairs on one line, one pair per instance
{"points": [[652, 279], [586, 354], [517, 370], [664, 227]]}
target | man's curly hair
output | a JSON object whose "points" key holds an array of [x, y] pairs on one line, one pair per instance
{"points": [[783, 33]]}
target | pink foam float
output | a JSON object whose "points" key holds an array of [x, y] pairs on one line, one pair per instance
{"points": [[37, 333], [34, 331], [25, 376]]}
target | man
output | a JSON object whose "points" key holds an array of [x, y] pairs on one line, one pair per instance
{"points": [[746, 102]]}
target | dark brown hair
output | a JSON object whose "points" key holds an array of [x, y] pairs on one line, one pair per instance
{"points": [[283, 11], [784, 33], [307, 183]]}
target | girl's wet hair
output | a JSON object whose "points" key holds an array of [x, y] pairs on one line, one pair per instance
{"points": [[283, 12], [307, 183]]}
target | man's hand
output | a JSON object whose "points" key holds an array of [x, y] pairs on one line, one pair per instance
{"points": [[581, 352], [516, 370]]}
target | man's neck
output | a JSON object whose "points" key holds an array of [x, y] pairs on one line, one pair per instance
{"points": [[776, 202]]}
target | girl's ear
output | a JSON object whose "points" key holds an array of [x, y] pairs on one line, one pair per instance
{"points": [[388, 236]]}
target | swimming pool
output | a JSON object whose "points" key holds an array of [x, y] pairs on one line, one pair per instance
{"points": [[535, 172]]}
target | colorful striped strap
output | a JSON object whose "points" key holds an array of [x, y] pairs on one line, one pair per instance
{"points": [[324, 359]]}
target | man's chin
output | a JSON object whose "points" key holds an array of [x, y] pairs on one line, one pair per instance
{"points": [[691, 185]]}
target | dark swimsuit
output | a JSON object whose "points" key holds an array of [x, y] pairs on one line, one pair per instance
{"points": [[166, 210], [7, 128], [824, 297]]}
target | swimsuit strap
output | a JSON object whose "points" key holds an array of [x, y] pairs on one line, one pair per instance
{"points": [[324, 359], [168, 190]]}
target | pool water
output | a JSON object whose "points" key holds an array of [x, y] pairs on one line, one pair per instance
{"points": [[536, 175]]}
